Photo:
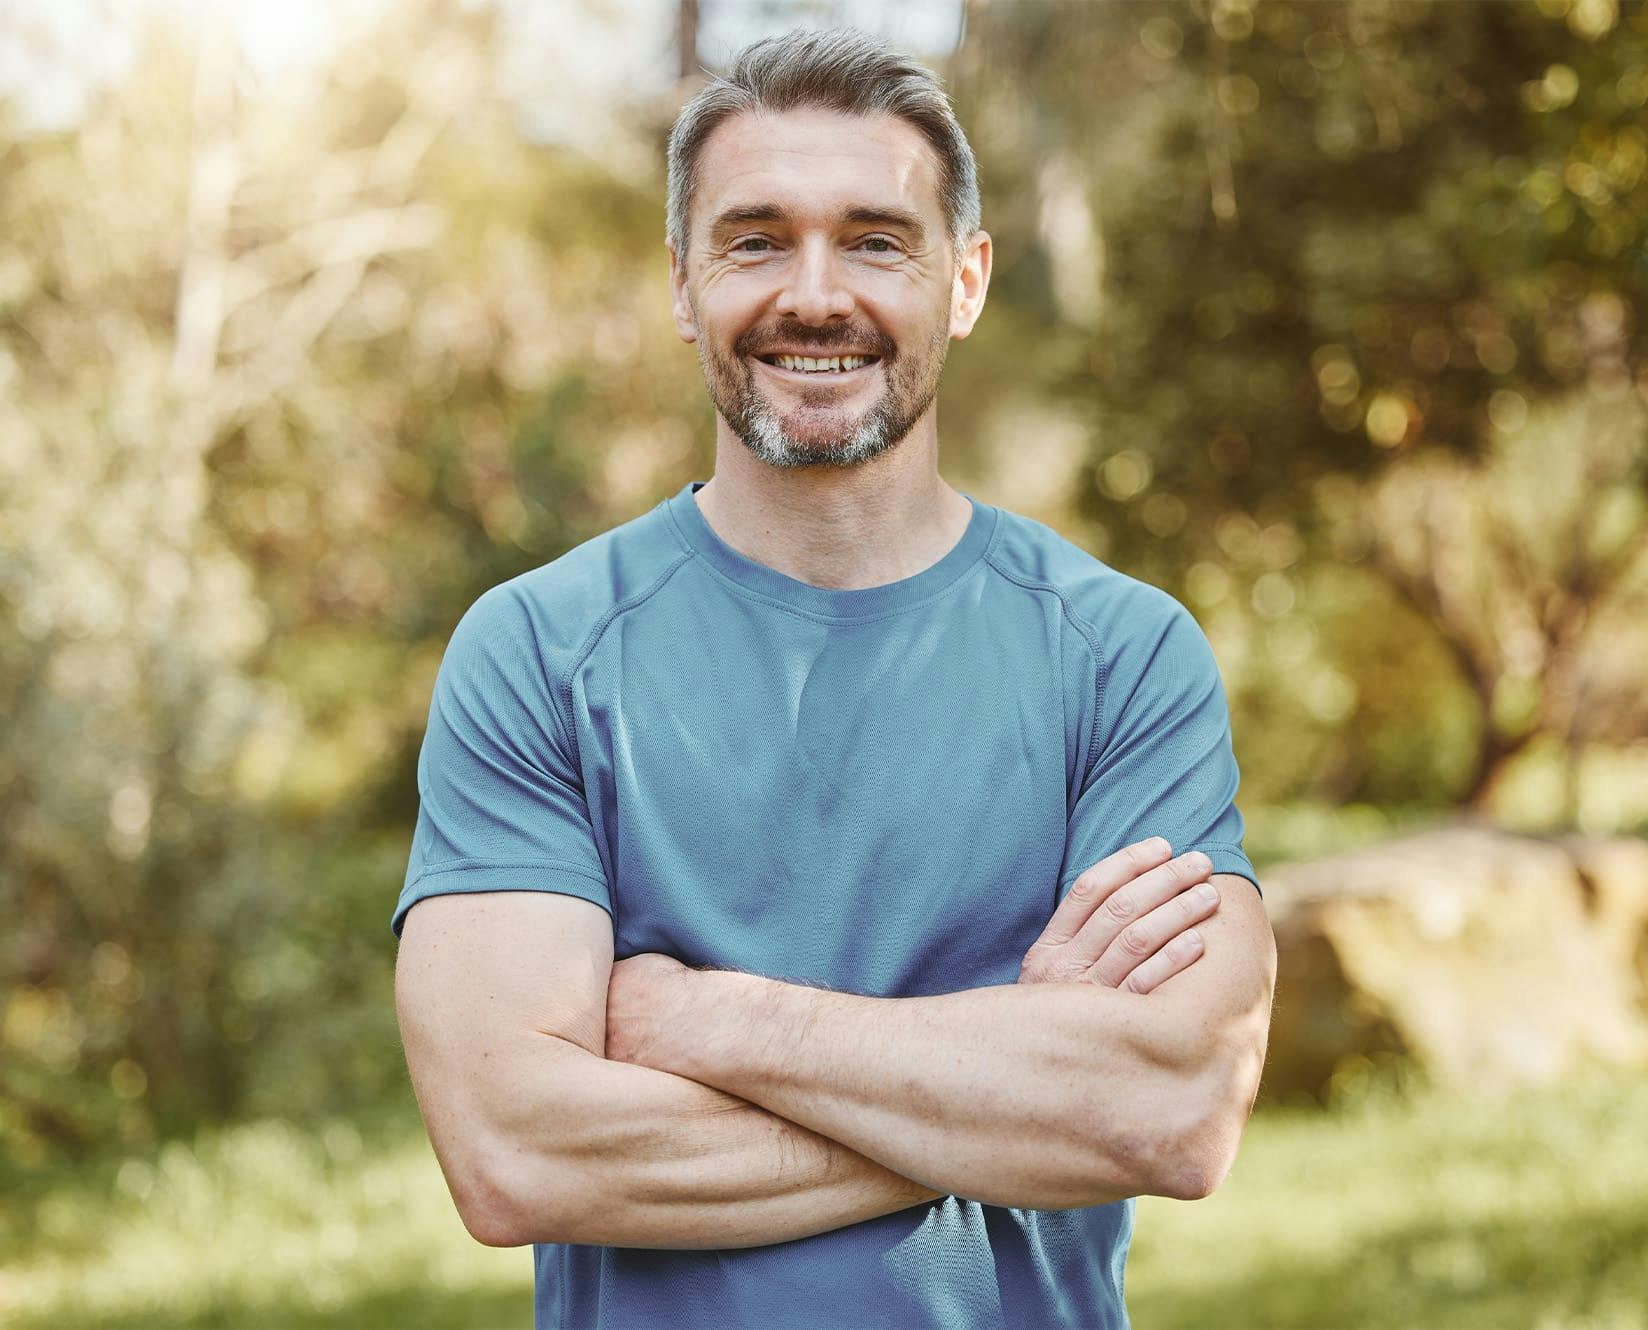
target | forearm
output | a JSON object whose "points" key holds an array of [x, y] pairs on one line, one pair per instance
{"points": [[608, 1153], [1040, 1096]]}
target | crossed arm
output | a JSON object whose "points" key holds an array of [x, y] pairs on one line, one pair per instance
{"points": [[733, 1110]]}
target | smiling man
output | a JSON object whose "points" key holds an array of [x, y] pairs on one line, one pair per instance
{"points": [[827, 905], [852, 388]]}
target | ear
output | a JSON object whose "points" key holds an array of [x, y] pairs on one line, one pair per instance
{"points": [[685, 322], [971, 282]]}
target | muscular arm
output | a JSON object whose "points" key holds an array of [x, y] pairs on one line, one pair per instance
{"points": [[1215, 1018], [502, 1005], [1041, 1096]]}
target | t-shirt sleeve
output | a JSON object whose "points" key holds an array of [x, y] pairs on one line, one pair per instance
{"points": [[1160, 763], [500, 800]]}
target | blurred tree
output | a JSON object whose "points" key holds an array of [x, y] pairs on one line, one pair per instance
{"points": [[288, 375], [1323, 315], [1531, 564], [686, 36], [1284, 246]]}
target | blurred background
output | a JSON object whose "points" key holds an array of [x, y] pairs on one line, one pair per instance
{"points": [[319, 319]]}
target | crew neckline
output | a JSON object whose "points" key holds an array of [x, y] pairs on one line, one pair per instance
{"points": [[833, 602]]}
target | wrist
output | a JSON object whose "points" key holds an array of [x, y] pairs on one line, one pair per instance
{"points": [[742, 1028], [737, 1024], [709, 1009]]}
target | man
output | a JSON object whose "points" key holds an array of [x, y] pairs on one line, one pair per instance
{"points": [[892, 805]]}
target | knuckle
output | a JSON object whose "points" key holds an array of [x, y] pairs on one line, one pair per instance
{"points": [[1085, 887], [1134, 984], [1120, 906], [1135, 941]]}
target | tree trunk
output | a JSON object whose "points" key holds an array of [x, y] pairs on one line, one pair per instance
{"points": [[686, 32]]}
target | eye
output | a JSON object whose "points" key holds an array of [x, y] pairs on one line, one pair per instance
{"points": [[892, 246], [750, 240]]}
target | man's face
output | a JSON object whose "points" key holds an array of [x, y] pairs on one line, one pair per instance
{"points": [[819, 234]]}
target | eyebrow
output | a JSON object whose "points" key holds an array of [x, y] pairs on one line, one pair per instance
{"points": [[742, 214]]}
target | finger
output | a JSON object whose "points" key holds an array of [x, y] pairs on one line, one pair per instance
{"points": [[1132, 902], [1097, 883], [1142, 939], [1179, 954]]}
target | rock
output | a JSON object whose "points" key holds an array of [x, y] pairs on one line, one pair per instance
{"points": [[1487, 958], [1613, 874]]}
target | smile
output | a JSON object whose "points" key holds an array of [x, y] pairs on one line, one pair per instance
{"points": [[827, 369]]}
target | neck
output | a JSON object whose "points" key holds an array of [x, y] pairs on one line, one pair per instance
{"points": [[845, 528]]}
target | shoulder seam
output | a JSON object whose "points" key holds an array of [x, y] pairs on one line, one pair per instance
{"points": [[563, 689], [1088, 632]]}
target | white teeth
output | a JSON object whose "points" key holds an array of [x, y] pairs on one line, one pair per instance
{"points": [[812, 365]]}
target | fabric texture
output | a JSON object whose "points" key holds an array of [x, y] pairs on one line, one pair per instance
{"points": [[884, 791]]}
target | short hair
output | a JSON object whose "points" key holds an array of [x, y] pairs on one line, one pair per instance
{"points": [[836, 69]]}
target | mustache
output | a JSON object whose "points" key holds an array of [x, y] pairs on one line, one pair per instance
{"points": [[809, 339]]}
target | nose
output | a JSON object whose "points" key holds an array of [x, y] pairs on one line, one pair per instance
{"points": [[814, 290]]}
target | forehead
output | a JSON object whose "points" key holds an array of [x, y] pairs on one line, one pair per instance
{"points": [[817, 161]]}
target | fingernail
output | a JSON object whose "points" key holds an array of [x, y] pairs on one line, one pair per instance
{"points": [[1199, 861], [1207, 893], [1193, 940], [1160, 846]]}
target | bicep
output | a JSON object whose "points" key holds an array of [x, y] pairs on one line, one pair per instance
{"points": [[1221, 1004], [487, 986], [1162, 762]]}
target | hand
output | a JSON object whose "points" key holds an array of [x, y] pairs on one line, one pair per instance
{"points": [[645, 996], [1141, 936]]}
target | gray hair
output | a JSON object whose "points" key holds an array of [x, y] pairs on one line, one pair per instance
{"points": [[835, 69]]}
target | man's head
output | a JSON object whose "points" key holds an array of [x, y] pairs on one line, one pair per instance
{"points": [[823, 201]]}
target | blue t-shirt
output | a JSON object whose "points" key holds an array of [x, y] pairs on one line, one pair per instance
{"points": [[884, 791]]}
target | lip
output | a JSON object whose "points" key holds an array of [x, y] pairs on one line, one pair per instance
{"points": [[814, 376]]}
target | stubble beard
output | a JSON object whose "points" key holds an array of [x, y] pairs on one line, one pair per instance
{"points": [[911, 384]]}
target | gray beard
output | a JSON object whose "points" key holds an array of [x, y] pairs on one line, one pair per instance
{"points": [[750, 416]]}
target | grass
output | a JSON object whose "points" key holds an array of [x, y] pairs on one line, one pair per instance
{"points": [[1405, 1213], [262, 1227], [1419, 1210]]}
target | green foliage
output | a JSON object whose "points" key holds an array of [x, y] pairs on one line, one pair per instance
{"points": [[1396, 1211], [1325, 316], [1331, 242], [286, 381], [1393, 1209], [262, 1225]]}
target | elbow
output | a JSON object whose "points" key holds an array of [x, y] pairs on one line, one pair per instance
{"points": [[1198, 1157], [1195, 1177], [1182, 1147], [503, 1221], [515, 1186], [492, 1228], [489, 1210], [514, 1205], [524, 1202], [1192, 1164]]}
